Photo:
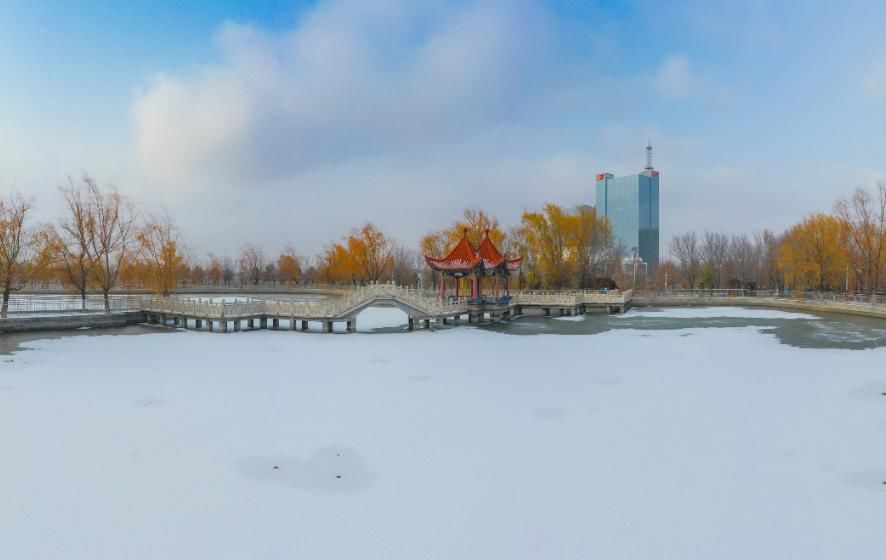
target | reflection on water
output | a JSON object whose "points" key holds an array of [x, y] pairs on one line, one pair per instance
{"points": [[805, 331]]}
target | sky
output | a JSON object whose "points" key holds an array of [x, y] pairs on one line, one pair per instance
{"points": [[278, 122]]}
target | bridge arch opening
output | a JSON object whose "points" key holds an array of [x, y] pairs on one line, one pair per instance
{"points": [[382, 318]]}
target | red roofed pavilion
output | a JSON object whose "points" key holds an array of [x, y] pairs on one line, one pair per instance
{"points": [[465, 260]]}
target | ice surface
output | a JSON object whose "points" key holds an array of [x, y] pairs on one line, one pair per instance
{"points": [[455, 444], [715, 312]]}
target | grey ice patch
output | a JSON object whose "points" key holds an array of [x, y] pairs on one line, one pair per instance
{"points": [[549, 412], [329, 471], [870, 392], [149, 402], [868, 480]]}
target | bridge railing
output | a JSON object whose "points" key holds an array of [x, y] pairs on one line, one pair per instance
{"points": [[570, 297], [332, 308], [25, 305]]}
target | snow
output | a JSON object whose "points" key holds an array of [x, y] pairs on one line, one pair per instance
{"points": [[693, 443], [715, 312], [573, 318]]}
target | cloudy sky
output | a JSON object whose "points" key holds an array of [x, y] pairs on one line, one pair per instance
{"points": [[276, 121]]}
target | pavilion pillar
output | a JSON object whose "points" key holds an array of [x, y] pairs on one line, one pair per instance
{"points": [[442, 286], [496, 286], [457, 287]]}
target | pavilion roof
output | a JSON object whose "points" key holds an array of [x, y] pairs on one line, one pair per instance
{"points": [[464, 257]]}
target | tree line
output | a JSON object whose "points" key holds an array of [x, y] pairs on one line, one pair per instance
{"points": [[843, 250], [103, 241]]}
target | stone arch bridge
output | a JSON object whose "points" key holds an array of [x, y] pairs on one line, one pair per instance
{"points": [[420, 306]]}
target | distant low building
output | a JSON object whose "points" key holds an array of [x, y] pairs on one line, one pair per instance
{"points": [[631, 205]]}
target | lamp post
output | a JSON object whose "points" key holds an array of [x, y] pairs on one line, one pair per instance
{"points": [[634, 251]]}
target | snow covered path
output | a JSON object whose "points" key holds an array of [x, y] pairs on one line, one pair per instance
{"points": [[460, 444]]}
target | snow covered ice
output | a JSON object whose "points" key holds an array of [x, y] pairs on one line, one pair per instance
{"points": [[684, 443]]}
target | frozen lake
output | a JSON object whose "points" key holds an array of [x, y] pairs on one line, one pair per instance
{"points": [[683, 433]]}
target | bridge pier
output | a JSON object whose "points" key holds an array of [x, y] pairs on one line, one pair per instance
{"points": [[208, 325], [293, 325], [275, 323], [263, 323], [352, 325], [304, 325], [198, 324], [427, 324], [411, 324], [327, 326], [224, 325], [250, 323], [236, 325]]}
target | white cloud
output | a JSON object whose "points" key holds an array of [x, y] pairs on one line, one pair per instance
{"points": [[875, 81], [675, 78], [354, 79]]}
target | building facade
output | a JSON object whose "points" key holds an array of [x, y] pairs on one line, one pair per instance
{"points": [[631, 205]]}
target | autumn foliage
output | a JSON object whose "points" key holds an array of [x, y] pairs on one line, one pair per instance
{"points": [[102, 242]]}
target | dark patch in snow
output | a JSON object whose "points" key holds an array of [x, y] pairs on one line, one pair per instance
{"points": [[867, 480], [549, 412], [148, 402], [328, 471]]}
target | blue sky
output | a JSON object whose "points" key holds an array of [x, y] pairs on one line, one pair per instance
{"points": [[302, 119]]}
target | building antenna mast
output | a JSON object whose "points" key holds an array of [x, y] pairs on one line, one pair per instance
{"points": [[649, 157]]}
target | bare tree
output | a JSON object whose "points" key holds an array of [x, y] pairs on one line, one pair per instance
{"points": [[69, 242], [714, 250], [865, 217], [112, 234], [742, 258], [21, 247], [406, 265], [685, 248], [252, 263], [767, 245]]}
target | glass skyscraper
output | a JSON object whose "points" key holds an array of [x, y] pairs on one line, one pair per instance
{"points": [[631, 204]]}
